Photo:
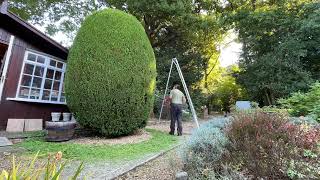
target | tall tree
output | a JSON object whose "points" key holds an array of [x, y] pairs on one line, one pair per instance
{"points": [[278, 53], [186, 29]]}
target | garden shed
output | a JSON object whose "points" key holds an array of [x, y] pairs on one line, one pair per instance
{"points": [[32, 68]]}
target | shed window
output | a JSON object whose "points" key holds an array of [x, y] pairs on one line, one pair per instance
{"points": [[41, 79]]}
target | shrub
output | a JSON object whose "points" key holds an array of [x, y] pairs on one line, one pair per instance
{"points": [[219, 122], [205, 147], [266, 145], [111, 73], [308, 120], [302, 104]]}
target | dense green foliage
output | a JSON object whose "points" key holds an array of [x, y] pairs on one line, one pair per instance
{"points": [[303, 104], [280, 48], [159, 141], [111, 73]]}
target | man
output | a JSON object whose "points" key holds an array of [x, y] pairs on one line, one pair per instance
{"points": [[177, 100]]}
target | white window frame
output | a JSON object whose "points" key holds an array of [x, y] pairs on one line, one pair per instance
{"points": [[6, 62], [46, 66]]}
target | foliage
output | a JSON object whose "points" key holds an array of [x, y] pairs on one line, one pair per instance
{"points": [[186, 115], [111, 73], [253, 145], [158, 142], [175, 29], [267, 144], [303, 104], [309, 120], [221, 88], [52, 169], [205, 147], [280, 44], [220, 123]]}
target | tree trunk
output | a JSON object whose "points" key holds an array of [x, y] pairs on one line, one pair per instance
{"points": [[267, 97]]}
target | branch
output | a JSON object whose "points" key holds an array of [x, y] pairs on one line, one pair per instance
{"points": [[213, 65]]}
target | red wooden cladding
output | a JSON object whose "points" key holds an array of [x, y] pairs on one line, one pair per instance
{"points": [[15, 109]]}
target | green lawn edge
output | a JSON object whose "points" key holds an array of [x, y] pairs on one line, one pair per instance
{"points": [[158, 142]]}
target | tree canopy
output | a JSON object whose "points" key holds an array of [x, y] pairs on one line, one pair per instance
{"points": [[280, 38]]}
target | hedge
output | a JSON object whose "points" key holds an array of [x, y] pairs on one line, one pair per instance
{"points": [[111, 74]]}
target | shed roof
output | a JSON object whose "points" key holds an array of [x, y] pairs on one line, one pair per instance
{"points": [[18, 26]]}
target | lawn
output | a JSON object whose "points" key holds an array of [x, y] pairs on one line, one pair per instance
{"points": [[159, 141]]}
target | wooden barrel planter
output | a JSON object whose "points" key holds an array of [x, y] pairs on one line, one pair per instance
{"points": [[60, 131]]}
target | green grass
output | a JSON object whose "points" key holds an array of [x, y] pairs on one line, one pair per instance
{"points": [[159, 141]]}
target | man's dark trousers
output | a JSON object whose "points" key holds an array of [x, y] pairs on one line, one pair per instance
{"points": [[176, 112]]}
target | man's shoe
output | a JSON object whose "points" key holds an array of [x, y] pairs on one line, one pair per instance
{"points": [[171, 133], [179, 134]]}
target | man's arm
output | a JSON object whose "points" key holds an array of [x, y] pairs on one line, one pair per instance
{"points": [[184, 99]]}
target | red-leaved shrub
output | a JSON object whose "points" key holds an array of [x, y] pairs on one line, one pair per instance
{"points": [[265, 145]]}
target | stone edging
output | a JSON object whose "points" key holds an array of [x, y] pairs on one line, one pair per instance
{"points": [[142, 163]]}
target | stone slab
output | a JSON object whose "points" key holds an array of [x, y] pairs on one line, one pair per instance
{"points": [[33, 125], [15, 125], [5, 142]]}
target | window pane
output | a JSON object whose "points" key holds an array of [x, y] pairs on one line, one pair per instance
{"points": [[26, 80], [39, 71], [24, 92], [48, 84], [54, 95], [41, 59], [50, 73], [35, 94], [56, 85], [58, 75], [60, 65], [62, 98], [36, 82], [28, 69], [46, 95], [53, 63], [32, 57]]}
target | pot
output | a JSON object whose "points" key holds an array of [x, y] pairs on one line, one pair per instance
{"points": [[66, 116], [73, 118], [55, 116]]}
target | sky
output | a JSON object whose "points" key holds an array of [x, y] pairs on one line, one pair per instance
{"points": [[230, 51]]}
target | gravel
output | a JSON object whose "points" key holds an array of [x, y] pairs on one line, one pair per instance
{"points": [[138, 137], [165, 168]]}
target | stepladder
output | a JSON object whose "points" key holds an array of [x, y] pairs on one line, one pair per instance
{"points": [[174, 62]]}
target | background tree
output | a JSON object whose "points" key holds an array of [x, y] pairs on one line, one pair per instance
{"points": [[278, 55]]}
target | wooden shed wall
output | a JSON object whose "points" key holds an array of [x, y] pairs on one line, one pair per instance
{"points": [[15, 109]]}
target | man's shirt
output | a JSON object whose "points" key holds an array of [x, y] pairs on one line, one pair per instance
{"points": [[177, 97]]}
